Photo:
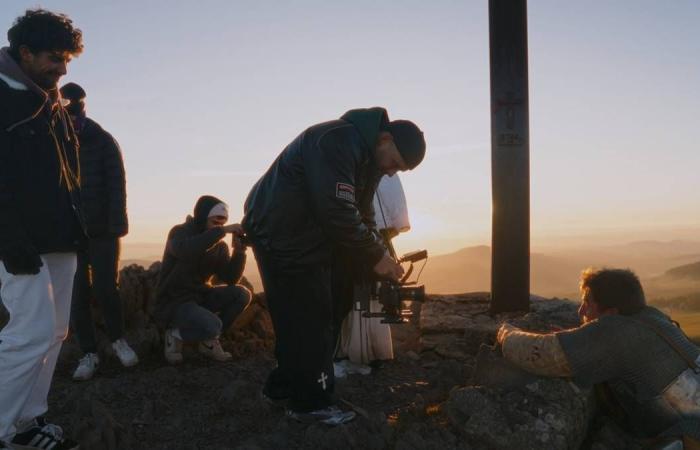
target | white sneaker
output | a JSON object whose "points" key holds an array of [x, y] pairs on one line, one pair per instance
{"points": [[126, 354], [173, 348], [212, 349], [86, 367]]}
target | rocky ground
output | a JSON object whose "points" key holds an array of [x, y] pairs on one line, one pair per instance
{"points": [[444, 390]]}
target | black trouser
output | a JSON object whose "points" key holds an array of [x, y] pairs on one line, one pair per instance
{"points": [[211, 317], [301, 307], [96, 276], [343, 280]]}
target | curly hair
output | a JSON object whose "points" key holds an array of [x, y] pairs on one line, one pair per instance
{"points": [[42, 30], [614, 288]]}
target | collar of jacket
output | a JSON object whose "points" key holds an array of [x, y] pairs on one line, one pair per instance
{"points": [[24, 99]]}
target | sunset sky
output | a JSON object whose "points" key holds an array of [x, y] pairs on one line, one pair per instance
{"points": [[203, 95]]}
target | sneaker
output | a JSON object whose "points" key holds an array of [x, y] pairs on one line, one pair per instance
{"points": [[277, 402], [173, 348], [212, 349], [126, 354], [329, 416], [42, 435], [86, 367]]}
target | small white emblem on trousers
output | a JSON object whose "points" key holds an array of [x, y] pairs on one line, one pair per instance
{"points": [[322, 380]]}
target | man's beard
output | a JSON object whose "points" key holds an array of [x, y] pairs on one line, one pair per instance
{"points": [[48, 81]]}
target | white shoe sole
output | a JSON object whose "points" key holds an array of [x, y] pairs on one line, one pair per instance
{"points": [[129, 363]]}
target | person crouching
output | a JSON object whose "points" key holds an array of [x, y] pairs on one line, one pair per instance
{"points": [[189, 304]]}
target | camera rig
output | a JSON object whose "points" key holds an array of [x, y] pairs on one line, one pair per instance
{"points": [[391, 294]]}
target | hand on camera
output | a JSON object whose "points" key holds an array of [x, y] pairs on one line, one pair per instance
{"points": [[388, 268]]}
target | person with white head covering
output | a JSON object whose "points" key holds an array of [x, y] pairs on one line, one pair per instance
{"points": [[197, 295]]}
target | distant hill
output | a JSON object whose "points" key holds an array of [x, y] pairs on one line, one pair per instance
{"points": [[145, 262], [668, 269], [646, 258], [469, 270], [685, 272]]}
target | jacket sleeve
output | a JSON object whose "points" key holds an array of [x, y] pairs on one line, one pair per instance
{"points": [[115, 180], [184, 246], [11, 231], [231, 270], [331, 174]]}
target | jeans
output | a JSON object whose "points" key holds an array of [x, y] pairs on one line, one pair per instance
{"points": [[97, 276], [214, 315]]}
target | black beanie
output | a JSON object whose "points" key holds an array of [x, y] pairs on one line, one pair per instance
{"points": [[76, 95], [409, 141], [202, 208]]}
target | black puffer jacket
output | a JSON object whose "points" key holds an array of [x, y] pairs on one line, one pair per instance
{"points": [[103, 183], [39, 174], [317, 195]]}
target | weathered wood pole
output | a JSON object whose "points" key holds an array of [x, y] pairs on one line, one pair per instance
{"points": [[510, 157]]}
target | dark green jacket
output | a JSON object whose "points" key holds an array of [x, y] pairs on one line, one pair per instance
{"points": [[317, 195]]}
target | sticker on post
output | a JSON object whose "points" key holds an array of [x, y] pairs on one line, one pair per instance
{"points": [[345, 191]]}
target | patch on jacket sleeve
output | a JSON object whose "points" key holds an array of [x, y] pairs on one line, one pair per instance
{"points": [[345, 191]]}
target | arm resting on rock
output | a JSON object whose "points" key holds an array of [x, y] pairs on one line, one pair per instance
{"points": [[540, 354]]}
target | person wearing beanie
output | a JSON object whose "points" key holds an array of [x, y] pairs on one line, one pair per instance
{"points": [[197, 295], [103, 196], [40, 222], [311, 207]]}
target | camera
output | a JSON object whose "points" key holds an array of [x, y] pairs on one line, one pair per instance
{"points": [[392, 295]]}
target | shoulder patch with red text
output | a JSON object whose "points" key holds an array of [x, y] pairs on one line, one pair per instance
{"points": [[345, 191]]}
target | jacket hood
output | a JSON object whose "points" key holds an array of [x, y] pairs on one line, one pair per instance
{"points": [[24, 98], [368, 121], [201, 210]]}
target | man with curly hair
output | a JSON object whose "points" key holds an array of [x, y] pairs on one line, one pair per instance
{"points": [[40, 223], [641, 362]]}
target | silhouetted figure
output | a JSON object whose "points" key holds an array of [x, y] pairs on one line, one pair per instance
{"points": [[197, 295], [103, 196], [312, 204], [641, 361], [40, 225]]}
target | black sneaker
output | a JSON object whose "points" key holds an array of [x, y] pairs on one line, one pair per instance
{"points": [[329, 416], [42, 436], [277, 402]]}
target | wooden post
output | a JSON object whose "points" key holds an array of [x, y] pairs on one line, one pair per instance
{"points": [[510, 159]]}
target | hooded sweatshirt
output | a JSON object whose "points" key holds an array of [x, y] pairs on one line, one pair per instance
{"points": [[193, 256], [39, 175]]}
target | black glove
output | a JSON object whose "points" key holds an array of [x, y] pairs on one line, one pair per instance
{"points": [[22, 260]]}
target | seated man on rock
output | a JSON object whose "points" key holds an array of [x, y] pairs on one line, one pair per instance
{"points": [[189, 305], [635, 353]]}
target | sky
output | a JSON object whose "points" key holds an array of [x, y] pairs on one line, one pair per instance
{"points": [[202, 96]]}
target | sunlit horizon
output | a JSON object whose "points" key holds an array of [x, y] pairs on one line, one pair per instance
{"points": [[203, 96]]}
